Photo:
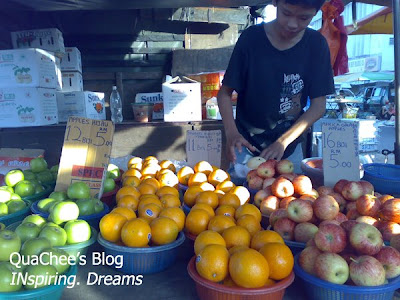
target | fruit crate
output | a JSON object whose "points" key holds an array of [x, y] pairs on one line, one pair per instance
{"points": [[208, 290], [384, 177], [17, 216], [316, 288]]}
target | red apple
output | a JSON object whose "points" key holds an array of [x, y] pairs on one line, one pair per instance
{"points": [[302, 185], [368, 188], [367, 271], [311, 243], [331, 238], [366, 239], [338, 187], [325, 190], [285, 228], [260, 196], [314, 193], [267, 182], [348, 256], [368, 220], [388, 229], [340, 200], [352, 214], [350, 206], [285, 201], [329, 222], [277, 214], [268, 205], [307, 258], [282, 188], [251, 174], [303, 232], [307, 197], [289, 176], [300, 210], [341, 217], [266, 169], [284, 166], [390, 210], [326, 207], [384, 198], [255, 183], [352, 191], [368, 205], [395, 242], [332, 268], [389, 257], [254, 162], [348, 225]]}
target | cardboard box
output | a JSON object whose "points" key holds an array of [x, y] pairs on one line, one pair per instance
{"points": [[27, 68], [182, 100], [29, 106], [50, 39], [72, 81], [80, 104], [85, 154], [210, 83], [156, 99], [71, 61], [58, 73], [14, 158]]}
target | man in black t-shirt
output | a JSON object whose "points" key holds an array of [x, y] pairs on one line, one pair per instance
{"points": [[274, 68]]}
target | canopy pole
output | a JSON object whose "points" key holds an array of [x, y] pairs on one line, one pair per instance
{"points": [[396, 35]]}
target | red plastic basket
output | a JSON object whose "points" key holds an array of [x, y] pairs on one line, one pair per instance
{"points": [[208, 290], [109, 197]]}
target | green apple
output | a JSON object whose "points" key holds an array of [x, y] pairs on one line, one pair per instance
{"points": [[35, 246], [13, 177], [39, 189], [45, 176], [56, 235], [54, 169], [46, 272], [113, 171], [64, 211], [109, 185], [5, 195], [77, 231], [7, 188], [3, 209], [6, 278], [29, 175], [45, 203], [98, 206], [57, 258], [38, 165], [15, 196], [24, 188], [52, 204], [2, 226], [86, 206], [36, 219], [50, 224], [78, 190], [9, 243], [15, 205], [27, 230], [59, 195]]}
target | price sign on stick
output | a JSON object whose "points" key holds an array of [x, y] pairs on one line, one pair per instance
{"points": [[340, 151], [204, 145]]}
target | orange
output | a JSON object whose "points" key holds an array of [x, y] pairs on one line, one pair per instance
{"points": [[145, 188], [197, 221], [136, 233], [150, 158], [134, 160], [226, 210], [225, 186], [206, 207], [127, 212], [230, 199], [170, 201], [176, 214], [167, 190], [264, 237], [154, 198], [168, 179], [207, 197], [220, 223], [162, 172], [197, 178], [249, 269], [163, 231], [167, 164], [212, 263], [132, 172], [189, 198], [235, 249], [203, 167], [149, 212], [220, 193], [127, 190], [152, 181], [137, 166], [184, 174], [217, 176], [242, 192], [248, 209], [207, 237], [236, 236], [280, 260], [150, 169], [205, 186], [129, 201], [131, 181], [111, 225], [250, 223]]}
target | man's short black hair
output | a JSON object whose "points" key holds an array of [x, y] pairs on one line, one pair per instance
{"points": [[317, 4]]}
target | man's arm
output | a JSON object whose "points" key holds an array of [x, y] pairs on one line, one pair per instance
{"points": [[315, 112]]}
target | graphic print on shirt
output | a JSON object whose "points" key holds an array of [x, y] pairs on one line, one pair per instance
{"points": [[290, 101]]}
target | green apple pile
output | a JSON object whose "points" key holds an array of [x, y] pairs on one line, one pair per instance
{"points": [[39, 171], [112, 174]]}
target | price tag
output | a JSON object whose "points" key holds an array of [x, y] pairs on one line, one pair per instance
{"points": [[340, 151], [85, 153], [204, 145]]}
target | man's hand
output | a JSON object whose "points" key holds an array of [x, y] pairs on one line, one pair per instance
{"points": [[237, 141], [274, 151]]}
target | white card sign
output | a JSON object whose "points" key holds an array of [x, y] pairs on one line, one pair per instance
{"points": [[340, 151], [204, 145]]}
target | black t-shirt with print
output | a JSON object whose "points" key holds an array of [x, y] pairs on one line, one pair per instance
{"points": [[273, 85]]}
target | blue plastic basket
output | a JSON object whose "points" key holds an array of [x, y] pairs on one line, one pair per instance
{"points": [[17, 216], [182, 189], [93, 219], [296, 247], [186, 209], [384, 177], [51, 292], [144, 260], [318, 289], [234, 178]]}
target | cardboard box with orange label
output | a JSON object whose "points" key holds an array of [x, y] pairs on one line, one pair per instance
{"points": [[14, 158]]}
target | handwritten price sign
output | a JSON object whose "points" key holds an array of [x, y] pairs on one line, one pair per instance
{"points": [[204, 145], [340, 151]]}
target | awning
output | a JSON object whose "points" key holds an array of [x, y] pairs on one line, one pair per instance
{"points": [[379, 22], [364, 76]]}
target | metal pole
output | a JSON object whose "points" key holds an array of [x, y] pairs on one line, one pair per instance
{"points": [[396, 34]]}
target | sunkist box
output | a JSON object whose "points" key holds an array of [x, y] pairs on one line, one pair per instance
{"points": [[72, 60], [156, 99], [27, 106], [58, 74], [27, 68], [50, 39], [72, 81], [182, 100], [81, 104], [14, 158]]}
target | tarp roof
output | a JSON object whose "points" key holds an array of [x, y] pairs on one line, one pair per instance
{"points": [[379, 22], [363, 76]]}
